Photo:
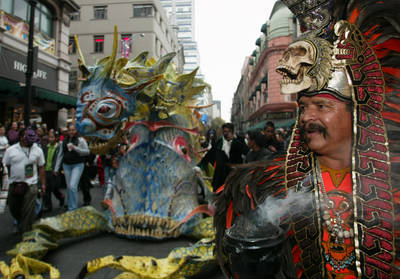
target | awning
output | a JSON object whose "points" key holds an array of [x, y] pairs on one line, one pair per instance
{"points": [[279, 123], [284, 123], [254, 53], [258, 126], [265, 78], [13, 87], [264, 28], [275, 107], [66, 100], [10, 86], [258, 42]]}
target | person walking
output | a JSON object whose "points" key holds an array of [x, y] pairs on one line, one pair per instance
{"points": [[72, 156], [256, 142], [272, 142], [12, 133], [51, 151], [3, 170], [25, 162], [3, 141], [228, 150]]}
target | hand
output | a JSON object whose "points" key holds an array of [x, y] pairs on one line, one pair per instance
{"points": [[55, 173]]}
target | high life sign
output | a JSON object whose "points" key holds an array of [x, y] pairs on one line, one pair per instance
{"points": [[19, 66], [13, 66]]}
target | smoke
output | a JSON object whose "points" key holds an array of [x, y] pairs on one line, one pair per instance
{"points": [[267, 220], [273, 209]]}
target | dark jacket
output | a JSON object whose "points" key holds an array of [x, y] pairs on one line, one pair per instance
{"points": [[71, 157], [257, 156], [78, 155], [275, 143], [223, 162]]}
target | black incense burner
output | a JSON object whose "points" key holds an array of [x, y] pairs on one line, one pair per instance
{"points": [[258, 249]]}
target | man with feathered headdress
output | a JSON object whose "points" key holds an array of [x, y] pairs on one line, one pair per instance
{"points": [[346, 77]]}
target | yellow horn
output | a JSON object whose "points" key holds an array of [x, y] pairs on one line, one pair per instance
{"points": [[78, 48], [110, 64], [81, 62]]}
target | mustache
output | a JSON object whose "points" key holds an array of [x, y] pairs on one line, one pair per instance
{"points": [[312, 127]]}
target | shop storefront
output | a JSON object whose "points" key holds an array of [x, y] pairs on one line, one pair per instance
{"points": [[46, 101]]}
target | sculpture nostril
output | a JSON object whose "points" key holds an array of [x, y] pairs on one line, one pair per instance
{"points": [[104, 109]]}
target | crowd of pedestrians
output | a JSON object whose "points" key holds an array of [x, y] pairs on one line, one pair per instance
{"points": [[231, 149], [36, 162]]}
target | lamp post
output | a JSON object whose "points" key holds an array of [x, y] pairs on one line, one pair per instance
{"points": [[30, 63]]}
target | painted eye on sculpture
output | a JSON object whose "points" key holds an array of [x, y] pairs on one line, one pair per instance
{"points": [[182, 148], [107, 110]]}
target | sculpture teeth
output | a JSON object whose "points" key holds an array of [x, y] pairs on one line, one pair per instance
{"points": [[143, 225]]}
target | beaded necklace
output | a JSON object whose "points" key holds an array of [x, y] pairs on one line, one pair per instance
{"points": [[332, 219]]}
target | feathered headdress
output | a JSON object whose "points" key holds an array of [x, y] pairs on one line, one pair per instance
{"points": [[362, 67]]}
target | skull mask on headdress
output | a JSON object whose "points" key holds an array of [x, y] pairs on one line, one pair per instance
{"points": [[305, 65]]}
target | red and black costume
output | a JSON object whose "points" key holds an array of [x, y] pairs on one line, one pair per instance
{"points": [[355, 59]]}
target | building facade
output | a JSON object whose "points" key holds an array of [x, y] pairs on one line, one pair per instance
{"points": [[142, 26], [258, 98], [216, 109], [52, 65], [181, 14]]}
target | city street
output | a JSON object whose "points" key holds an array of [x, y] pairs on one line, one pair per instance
{"points": [[72, 254]]}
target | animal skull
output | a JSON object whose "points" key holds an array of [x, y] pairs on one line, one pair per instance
{"points": [[297, 60]]}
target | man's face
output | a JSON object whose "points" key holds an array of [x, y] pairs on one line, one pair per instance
{"points": [[2, 131], [71, 131], [325, 125], [251, 143], [227, 133], [39, 132], [29, 138], [52, 138], [269, 132], [14, 126]]}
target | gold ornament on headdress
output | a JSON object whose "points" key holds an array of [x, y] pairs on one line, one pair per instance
{"points": [[306, 65]]}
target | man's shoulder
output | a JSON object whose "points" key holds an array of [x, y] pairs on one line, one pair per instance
{"points": [[14, 147], [219, 143], [238, 140]]}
